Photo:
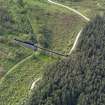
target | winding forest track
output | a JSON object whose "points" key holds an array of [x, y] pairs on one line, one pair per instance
{"points": [[75, 43], [78, 13], [71, 9], [34, 83], [14, 67]]}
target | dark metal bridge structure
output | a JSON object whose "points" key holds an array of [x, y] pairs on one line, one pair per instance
{"points": [[35, 47]]}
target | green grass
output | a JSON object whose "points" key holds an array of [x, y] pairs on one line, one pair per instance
{"points": [[89, 8], [60, 22], [17, 84], [10, 54]]}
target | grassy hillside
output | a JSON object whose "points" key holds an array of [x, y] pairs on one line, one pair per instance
{"points": [[79, 79], [16, 86], [19, 66], [89, 8], [45, 19], [12, 26]]}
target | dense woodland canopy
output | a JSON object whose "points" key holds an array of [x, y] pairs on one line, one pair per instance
{"points": [[79, 79]]}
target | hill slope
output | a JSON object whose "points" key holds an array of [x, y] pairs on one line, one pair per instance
{"points": [[80, 79], [89, 8], [51, 24], [20, 66]]}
